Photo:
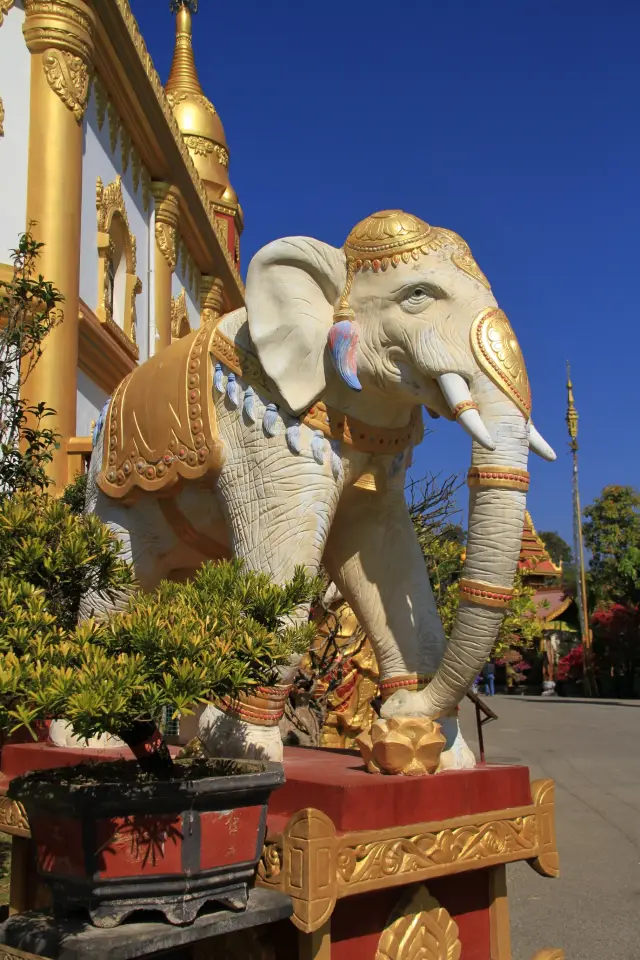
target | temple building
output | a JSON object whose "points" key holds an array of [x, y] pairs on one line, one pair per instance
{"points": [[555, 606], [126, 182]]}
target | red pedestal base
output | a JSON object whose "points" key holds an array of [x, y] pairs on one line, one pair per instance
{"points": [[395, 867]]}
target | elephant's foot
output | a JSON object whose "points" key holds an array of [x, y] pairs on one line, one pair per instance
{"points": [[61, 735], [456, 755], [410, 703], [226, 736]]}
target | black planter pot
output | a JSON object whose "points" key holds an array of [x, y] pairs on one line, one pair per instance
{"points": [[111, 844]]}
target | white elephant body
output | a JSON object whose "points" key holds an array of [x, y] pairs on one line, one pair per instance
{"points": [[286, 494]]}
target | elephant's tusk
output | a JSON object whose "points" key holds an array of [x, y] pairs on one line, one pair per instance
{"points": [[539, 445], [457, 394]]}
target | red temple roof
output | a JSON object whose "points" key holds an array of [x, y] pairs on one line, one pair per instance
{"points": [[534, 557], [551, 602]]}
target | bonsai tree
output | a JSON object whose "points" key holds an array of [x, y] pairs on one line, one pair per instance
{"points": [[182, 645]]}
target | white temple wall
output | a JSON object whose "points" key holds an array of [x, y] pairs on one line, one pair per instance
{"points": [[89, 402], [15, 81], [186, 275], [101, 161]]}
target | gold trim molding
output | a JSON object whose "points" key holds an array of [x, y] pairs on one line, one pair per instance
{"points": [[316, 866], [64, 25], [419, 926]]}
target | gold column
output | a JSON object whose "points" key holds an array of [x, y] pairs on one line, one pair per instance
{"points": [[211, 299], [59, 35], [167, 200]]}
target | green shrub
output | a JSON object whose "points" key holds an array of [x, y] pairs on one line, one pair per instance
{"points": [[181, 645]]}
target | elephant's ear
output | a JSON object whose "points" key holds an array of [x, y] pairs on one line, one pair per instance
{"points": [[292, 287]]}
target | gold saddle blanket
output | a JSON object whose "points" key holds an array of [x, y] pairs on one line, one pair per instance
{"points": [[160, 426]]}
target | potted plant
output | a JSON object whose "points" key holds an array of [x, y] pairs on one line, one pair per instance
{"points": [[155, 832]]}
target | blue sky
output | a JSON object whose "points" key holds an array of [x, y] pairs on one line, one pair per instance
{"points": [[515, 124]]}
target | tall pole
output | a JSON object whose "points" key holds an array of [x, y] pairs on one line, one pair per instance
{"points": [[578, 545]]}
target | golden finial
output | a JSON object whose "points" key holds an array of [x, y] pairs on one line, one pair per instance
{"points": [[572, 413], [183, 75]]}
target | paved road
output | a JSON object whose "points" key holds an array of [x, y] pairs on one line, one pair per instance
{"points": [[592, 751]]}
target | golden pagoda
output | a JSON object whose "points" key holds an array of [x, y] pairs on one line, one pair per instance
{"points": [[201, 127]]}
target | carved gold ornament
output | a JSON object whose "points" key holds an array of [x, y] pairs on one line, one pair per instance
{"points": [[125, 149], [179, 316], [222, 154], [498, 353], [5, 6], [110, 206], [349, 710], [136, 168], [167, 214], [316, 866], [211, 299], [101, 101], [392, 237], [553, 954], [199, 145], [114, 124], [68, 77], [161, 426], [13, 817], [402, 745], [419, 929], [166, 240]]}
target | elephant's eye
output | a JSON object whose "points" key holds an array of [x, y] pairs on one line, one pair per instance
{"points": [[417, 298]]}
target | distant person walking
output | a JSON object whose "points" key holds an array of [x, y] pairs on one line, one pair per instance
{"points": [[489, 674]]}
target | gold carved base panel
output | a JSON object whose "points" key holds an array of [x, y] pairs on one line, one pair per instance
{"points": [[317, 866]]}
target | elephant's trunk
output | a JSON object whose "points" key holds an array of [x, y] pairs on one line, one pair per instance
{"points": [[496, 518]]}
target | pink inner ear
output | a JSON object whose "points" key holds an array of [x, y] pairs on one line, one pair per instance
{"points": [[343, 345]]}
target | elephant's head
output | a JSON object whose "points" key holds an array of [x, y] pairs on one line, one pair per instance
{"points": [[404, 311]]}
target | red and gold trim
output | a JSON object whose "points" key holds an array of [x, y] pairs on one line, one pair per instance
{"points": [[463, 406], [264, 707], [485, 594], [511, 478], [412, 682], [404, 681]]}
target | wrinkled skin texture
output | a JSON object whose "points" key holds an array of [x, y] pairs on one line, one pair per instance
{"points": [[277, 509]]}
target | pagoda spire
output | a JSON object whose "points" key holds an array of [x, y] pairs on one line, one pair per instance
{"points": [[578, 543], [184, 75]]}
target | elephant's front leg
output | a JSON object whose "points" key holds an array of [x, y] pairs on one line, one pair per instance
{"points": [[279, 507], [373, 556]]}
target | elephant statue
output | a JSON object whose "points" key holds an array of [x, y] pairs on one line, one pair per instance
{"points": [[281, 434]]}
